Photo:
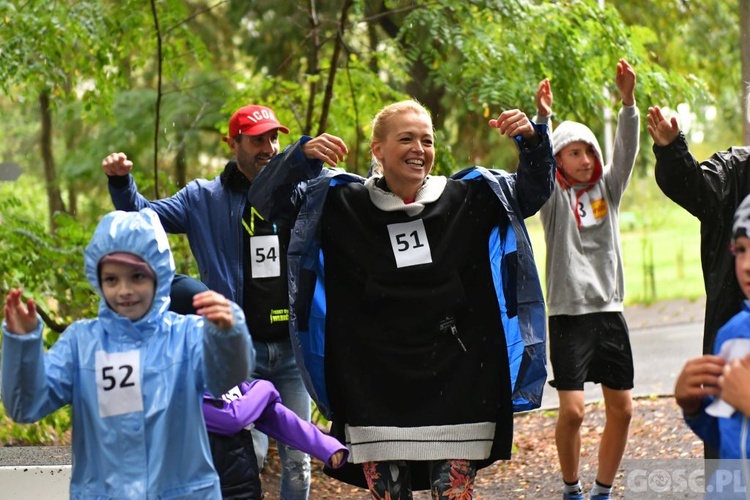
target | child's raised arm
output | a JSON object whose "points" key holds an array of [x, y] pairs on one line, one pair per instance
{"points": [[20, 318]]}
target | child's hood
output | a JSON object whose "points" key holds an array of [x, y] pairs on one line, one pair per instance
{"points": [[568, 132], [139, 233]]}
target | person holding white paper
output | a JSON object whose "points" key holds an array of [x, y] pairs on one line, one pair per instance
{"points": [[713, 390]]}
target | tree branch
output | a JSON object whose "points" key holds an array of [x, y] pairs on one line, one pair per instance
{"points": [[193, 16], [312, 16], [334, 66], [51, 324], [159, 61]]}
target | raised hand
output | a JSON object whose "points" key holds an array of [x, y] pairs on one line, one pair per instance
{"points": [[20, 317], [117, 164], [625, 81], [514, 122], [214, 307], [544, 98], [326, 147], [662, 131]]}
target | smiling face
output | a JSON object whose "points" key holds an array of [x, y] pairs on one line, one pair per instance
{"points": [[405, 150], [577, 161], [253, 152], [127, 289]]}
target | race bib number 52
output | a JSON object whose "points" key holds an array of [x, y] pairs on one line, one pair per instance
{"points": [[118, 382]]}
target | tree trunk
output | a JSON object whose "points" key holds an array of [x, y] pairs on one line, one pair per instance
{"points": [[745, 51], [54, 198], [180, 164]]}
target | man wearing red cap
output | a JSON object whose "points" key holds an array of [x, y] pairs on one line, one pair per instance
{"points": [[240, 255]]}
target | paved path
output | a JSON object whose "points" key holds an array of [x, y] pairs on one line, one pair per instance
{"points": [[663, 336]]}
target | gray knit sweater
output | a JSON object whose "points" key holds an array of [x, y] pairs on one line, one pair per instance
{"points": [[581, 229]]}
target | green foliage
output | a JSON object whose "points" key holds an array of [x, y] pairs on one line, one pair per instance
{"points": [[48, 266], [50, 269], [54, 429]]}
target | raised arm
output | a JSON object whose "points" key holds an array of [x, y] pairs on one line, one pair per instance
{"points": [[704, 189], [662, 131], [625, 82], [279, 188], [627, 135], [32, 386], [172, 211], [544, 99], [536, 169]]}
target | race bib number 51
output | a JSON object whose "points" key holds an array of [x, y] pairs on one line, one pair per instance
{"points": [[409, 243], [118, 382]]}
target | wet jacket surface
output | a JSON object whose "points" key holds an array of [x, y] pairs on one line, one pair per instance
{"points": [[520, 301], [136, 387], [711, 191]]}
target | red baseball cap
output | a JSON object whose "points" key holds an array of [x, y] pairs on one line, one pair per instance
{"points": [[254, 120]]}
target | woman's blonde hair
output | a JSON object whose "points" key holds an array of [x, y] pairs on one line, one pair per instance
{"points": [[380, 127]]}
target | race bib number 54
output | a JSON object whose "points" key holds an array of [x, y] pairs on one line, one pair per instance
{"points": [[118, 382], [409, 243], [265, 256]]}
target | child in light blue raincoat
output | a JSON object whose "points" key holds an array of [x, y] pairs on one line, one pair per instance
{"points": [[135, 375]]}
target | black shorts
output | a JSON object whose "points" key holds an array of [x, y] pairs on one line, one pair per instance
{"points": [[590, 348]]}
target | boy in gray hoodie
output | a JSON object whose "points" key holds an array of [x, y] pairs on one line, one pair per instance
{"points": [[589, 339]]}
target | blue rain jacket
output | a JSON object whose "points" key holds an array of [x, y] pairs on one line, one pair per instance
{"points": [[303, 195], [731, 436], [136, 387]]}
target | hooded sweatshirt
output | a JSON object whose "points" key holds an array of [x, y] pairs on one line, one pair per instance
{"points": [[584, 258], [136, 387]]}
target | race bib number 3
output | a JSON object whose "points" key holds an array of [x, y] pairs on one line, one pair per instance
{"points": [[409, 243], [591, 212], [264, 256], [118, 382]]}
